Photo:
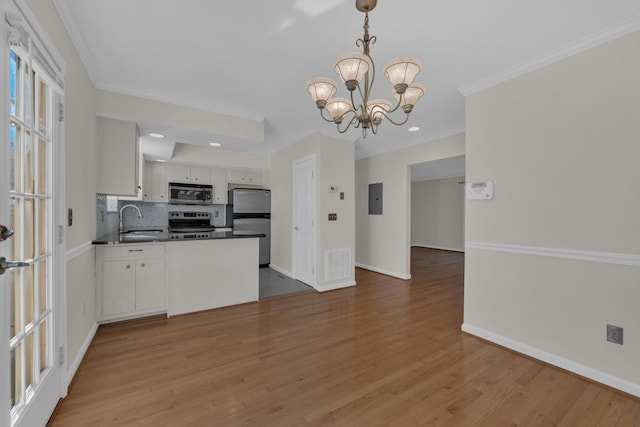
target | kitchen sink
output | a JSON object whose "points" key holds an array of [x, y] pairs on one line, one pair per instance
{"points": [[140, 235]]}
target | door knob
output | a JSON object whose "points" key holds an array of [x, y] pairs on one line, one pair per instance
{"points": [[5, 265], [295, 228], [5, 233]]}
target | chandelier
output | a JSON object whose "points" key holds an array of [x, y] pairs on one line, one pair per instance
{"points": [[358, 71]]}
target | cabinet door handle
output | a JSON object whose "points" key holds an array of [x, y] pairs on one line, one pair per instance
{"points": [[128, 265], [136, 250]]}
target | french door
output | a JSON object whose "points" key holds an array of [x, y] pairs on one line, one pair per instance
{"points": [[29, 298]]}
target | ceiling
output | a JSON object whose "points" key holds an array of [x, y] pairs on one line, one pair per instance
{"points": [[251, 59]]}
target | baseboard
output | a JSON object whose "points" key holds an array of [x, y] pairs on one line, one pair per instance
{"points": [[71, 371], [331, 287], [552, 359], [281, 270], [383, 271], [442, 248]]}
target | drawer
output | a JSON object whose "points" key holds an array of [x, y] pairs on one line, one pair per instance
{"points": [[133, 251]]}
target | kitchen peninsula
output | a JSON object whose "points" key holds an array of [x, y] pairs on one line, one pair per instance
{"points": [[146, 272]]}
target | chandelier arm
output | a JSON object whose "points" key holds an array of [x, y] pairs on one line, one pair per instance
{"points": [[353, 120], [324, 118], [368, 83], [396, 107], [353, 102], [406, 119], [340, 118]]}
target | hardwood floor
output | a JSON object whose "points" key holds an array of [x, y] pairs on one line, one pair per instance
{"points": [[387, 352]]}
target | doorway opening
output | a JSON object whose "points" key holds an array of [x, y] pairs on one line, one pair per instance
{"points": [[437, 204]]}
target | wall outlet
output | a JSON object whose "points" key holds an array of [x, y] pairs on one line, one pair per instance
{"points": [[614, 334]]}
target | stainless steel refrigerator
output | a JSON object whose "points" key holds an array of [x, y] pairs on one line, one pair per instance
{"points": [[251, 214]]}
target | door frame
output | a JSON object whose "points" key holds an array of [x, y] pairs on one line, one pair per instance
{"points": [[56, 65]]}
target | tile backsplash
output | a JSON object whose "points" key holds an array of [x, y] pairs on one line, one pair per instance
{"points": [[153, 214]]}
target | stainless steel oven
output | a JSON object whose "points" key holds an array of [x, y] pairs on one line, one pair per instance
{"points": [[190, 194], [190, 225]]}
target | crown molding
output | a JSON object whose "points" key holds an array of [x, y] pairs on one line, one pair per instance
{"points": [[611, 33]]}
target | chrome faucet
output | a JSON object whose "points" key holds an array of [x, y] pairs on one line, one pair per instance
{"points": [[121, 226]]}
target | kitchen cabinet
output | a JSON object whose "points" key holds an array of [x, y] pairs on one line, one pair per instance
{"points": [[188, 174], [244, 177], [219, 182], [118, 172], [206, 274], [131, 281], [154, 182]]}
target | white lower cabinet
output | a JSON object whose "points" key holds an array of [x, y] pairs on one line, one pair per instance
{"points": [[131, 281]]}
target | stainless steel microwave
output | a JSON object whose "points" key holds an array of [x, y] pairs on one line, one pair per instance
{"points": [[190, 194]]}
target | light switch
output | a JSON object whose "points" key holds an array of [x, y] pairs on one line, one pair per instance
{"points": [[333, 217]]}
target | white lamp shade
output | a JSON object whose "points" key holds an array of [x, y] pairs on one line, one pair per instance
{"points": [[411, 95], [352, 66], [338, 107], [377, 106], [321, 89], [402, 70]]}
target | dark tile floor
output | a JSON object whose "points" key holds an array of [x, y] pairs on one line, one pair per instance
{"points": [[273, 283]]}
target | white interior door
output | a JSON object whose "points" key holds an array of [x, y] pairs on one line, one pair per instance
{"points": [[29, 321], [304, 220]]}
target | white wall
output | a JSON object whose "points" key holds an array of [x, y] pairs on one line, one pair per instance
{"points": [[334, 165], [383, 241], [136, 109], [198, 154], [81, 177], [437, 213], [555, 256]]}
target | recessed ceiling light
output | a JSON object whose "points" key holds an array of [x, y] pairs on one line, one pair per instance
{"points": [[215, 144], [161, 161], [413, 129], [156, 135]]}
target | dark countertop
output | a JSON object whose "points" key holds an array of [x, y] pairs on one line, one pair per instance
{"points": [[161, 235]]}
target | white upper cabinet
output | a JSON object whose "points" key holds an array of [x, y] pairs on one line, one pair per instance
{"points": [[219, 182], [154, 183], [244, 177], [188, 174], [118, 157]]}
